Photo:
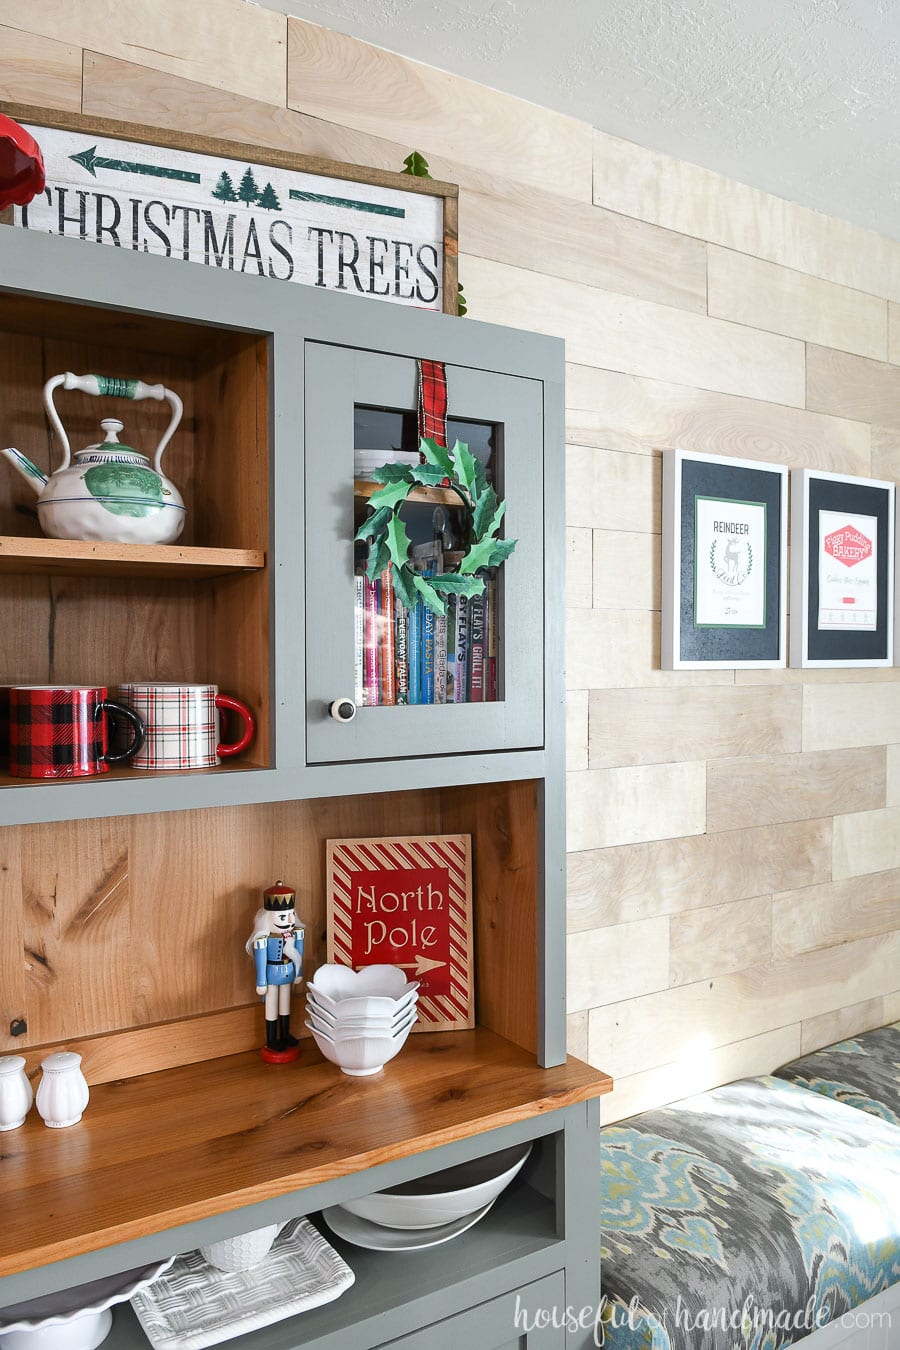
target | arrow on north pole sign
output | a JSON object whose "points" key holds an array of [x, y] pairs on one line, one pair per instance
{"points": [[420, 965], [90, 160]]}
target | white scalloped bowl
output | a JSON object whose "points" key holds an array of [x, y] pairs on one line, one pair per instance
{"points": [[444, 1197], [374, 989], [346, 1013], [341, 1030], [359, 1056], [73, 1319]]}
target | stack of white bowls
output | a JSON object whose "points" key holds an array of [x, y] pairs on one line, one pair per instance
{"points": [[360, 1019]]}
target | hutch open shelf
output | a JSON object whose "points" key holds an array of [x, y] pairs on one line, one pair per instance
{"points": [[125, 900]]}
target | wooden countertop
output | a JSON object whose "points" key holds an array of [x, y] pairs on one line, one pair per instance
{"points": [[180, 1145]]}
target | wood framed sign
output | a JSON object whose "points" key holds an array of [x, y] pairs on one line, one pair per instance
{"points": [[244, 208], [842, 570], [724, 562], [407, 901]]}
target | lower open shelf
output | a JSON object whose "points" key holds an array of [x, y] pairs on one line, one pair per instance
{"points": [[192, 1142]]}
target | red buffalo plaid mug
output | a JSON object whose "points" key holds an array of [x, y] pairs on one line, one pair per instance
{"points": [[63, 731], [183, 726]]}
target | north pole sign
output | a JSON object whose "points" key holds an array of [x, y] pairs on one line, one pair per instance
{"points": [[244, 209], [407, 901]]}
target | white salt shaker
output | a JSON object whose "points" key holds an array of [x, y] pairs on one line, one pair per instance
{"points": [[62, 1092], [16, 1095]]}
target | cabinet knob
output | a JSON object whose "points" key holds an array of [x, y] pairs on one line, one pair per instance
{"points": [[342, 709]]}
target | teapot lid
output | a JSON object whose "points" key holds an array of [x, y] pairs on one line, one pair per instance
{"points": [[111, 427]]}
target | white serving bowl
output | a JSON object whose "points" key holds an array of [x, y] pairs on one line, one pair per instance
{"points": [[244, 1251], [342, 1032], [445, 1196], [364, 1006], [345, 1016], [73, 1319], [338, 983], [359, 1056]]}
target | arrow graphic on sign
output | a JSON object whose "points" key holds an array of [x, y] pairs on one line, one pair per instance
{"points": [[420, 965], [375, 208], [90, 160]]}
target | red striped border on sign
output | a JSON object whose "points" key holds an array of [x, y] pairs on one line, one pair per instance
{"points": [[453, 1010]]}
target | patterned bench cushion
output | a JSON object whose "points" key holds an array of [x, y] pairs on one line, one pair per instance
{"points": [[863, 1072], [747, 1216]]}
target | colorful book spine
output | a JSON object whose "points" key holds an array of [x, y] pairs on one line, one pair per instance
{"points": [[451, 648], [440, 658], [370, 668], [388, 679], [359, 639], [427, 654], [462, 650], [415, 653], [401, 649], [476, 649], [491, 625]]}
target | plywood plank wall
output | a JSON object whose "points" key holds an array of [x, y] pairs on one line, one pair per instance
{"points": [[734, 867]]}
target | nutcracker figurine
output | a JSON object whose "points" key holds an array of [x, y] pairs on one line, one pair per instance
{"points": [[276, 946]]}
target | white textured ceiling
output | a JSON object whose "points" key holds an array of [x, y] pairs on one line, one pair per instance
{"points": [[798, 97]]}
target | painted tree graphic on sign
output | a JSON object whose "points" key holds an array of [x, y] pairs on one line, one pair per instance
{"points": [[248, 191], [268, 198], [224, 189]]}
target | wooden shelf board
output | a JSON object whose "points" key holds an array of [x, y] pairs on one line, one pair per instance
{"points": [[73, 557], [169, 1148], [123, 774], [432, 496]]}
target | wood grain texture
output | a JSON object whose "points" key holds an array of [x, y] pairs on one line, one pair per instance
{"points": [[830, 1027], [626, 806], [12, 934], [765, 789], [852, 386], [230, 1132], [626, 570], [618, 962], [244, 51], [695, 201], [839, 716], [866, 841], [629, 413], [894, 332], [704, 943], [39, 69], [653, 726], [638, 337], [579, 568], [699, 1070], [577, 1035], [670, 876], [341, 79], [613, 490], [778, 300], [836, 912], [619, 649], [892, 1007], [65, 557], [892, 787], [577, 729], [886, 452], [661, 1028]]}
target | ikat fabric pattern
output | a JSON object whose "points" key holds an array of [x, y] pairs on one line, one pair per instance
{"points": [[745, 1218], [863, 1072]]}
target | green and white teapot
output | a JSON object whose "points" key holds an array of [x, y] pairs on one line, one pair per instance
{"points": [[107, 491]]}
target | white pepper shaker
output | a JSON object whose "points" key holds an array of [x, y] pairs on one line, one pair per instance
{"points": [[62, 1092], [16, 1095]]}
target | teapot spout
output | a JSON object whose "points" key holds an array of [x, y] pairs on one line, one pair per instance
{"points": [[30, 472]]}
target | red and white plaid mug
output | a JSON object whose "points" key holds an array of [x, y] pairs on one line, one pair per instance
{"points": [[182, 724], [62, 731]]}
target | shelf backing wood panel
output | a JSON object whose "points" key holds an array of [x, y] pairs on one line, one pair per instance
{"points": [[111, 928]]}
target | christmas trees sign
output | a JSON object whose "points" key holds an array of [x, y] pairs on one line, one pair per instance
{"points": [[265, 214]]}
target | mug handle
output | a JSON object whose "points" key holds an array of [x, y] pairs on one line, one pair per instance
{"points": [[137, 727], [246, 716]]}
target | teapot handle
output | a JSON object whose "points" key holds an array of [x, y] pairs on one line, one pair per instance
{"points": [[108, 386]]}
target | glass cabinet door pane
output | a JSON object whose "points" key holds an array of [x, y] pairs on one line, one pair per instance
{"points": [[424, 683]]}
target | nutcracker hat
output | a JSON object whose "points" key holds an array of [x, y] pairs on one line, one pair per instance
{"points": [[279, 897]]}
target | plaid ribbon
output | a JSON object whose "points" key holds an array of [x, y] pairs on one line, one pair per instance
{"points": [[432, 401]]}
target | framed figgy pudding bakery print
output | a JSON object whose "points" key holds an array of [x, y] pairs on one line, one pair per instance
{"points": [[724, 562], [842, 570]]}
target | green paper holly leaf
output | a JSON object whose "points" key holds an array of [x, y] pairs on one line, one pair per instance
{"points": [[393, 473], [416, 165], [438, 455], [461, 305], [481, 482], [434, 601], [486, 553], [374, 525], [404, 589], [397, 541], [379, 559], [428, 474], [464, 463], [454, 584], [484, 516], [390, 495]]}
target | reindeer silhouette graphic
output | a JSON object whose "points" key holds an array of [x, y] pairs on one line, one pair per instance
{"points": [[732, 558]]}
